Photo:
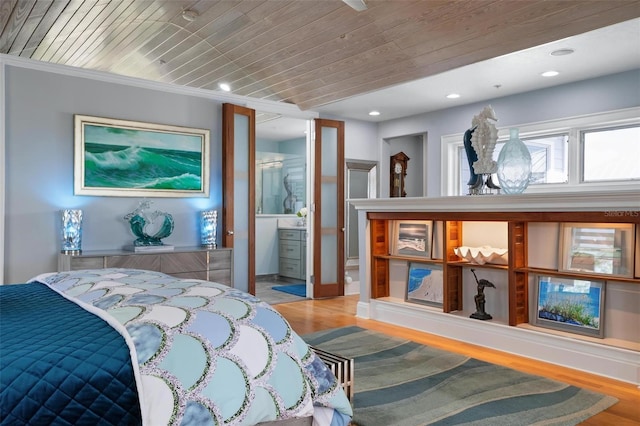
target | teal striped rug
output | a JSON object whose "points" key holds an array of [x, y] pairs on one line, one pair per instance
{"points": [[399, 382]]}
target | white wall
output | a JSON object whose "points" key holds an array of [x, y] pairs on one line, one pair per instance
{"points": [[39, 167]]}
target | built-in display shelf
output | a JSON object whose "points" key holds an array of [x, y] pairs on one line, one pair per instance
{"points": [[616, 355]]}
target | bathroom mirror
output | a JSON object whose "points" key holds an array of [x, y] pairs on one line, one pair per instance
{"points": [[281, 164]]}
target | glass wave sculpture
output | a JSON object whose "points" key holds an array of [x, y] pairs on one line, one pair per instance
{"points": [[149, 227]]}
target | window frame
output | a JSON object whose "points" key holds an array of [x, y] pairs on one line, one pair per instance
{"points": [[581, 141], [573, 126]]}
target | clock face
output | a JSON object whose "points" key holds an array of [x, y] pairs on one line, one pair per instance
{"points": [[398, 168]]}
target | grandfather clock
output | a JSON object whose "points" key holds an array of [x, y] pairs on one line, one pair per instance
{"points": [[398, 174]]}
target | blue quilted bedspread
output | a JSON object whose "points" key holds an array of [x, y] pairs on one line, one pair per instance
{"points": [[61, 364], [206, 353]]}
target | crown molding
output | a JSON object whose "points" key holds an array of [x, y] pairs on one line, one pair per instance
{"points": [[286, 109]]}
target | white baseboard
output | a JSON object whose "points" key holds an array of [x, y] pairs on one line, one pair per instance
{"points": [[352, 288]]}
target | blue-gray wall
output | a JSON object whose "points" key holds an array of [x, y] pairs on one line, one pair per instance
{"points": [[39, 112], [39, 164], [608, 93]]}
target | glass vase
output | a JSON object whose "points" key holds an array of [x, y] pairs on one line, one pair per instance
{"points": [[71, 231], [514, 165]]}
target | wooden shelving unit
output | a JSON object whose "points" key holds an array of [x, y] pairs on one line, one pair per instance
{"points": [[517, 269]]}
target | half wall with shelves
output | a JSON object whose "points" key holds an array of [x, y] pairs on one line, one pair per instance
{"points": [[530, 224]]}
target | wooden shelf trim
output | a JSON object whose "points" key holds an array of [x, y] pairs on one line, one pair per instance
{"points": [[579, 275], [409, 258], [467, 264]]}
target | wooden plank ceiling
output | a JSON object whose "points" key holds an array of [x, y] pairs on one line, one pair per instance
{"points": [[306, 52]]}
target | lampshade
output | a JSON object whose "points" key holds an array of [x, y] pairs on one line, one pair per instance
{"points": [[208, 228], [71, 231]]}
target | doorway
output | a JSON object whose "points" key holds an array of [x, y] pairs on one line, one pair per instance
{"points": [[282, 152], [414, 146], [361, 182]]}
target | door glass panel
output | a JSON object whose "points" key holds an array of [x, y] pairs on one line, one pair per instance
{"points": [[241, 197], [329, 219], [329, 250], [329, 207], [329, 151]]}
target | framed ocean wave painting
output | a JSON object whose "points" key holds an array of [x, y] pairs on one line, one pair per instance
{"points": [[123, 158]]}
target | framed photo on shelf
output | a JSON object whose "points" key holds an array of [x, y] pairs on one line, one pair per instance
{"points": [[425, 284], [597, 248], [575, 306], [637, 268], [412, 238], [123, 158]]}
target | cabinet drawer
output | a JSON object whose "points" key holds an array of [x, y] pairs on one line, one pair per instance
{"points": [[289, 268], [219, 259], [176, 263], [150, 262], [290, 249], [290, 234], [87, 263]]}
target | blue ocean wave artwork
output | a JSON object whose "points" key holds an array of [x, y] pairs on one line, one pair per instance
{"points": [[416, 276], [116, 157]]}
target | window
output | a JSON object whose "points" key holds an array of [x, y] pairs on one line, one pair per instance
{"points": [[567, 155], [611, 154], [548, 160]]}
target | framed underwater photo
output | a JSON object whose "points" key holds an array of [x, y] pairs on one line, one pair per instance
{"points": [[572, 305], [123, 158]]}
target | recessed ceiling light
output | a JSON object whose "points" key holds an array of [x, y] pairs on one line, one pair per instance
{"points": [[550, 73], [189, 15], [562, 52], [225, 87], [453, 96], [374, 113]]}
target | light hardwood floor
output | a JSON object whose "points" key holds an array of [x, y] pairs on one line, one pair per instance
{"points": [[313, 315]]}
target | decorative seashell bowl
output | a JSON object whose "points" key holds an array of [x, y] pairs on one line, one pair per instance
{"points": [[483, 254]]}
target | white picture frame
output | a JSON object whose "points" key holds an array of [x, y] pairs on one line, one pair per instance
{"points": [[597, 248], [412, 238]]}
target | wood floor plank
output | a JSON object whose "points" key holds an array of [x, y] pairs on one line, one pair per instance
{"points": [[309, 316]]}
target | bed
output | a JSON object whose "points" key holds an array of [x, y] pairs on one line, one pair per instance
{"points": [[126, 346]]}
